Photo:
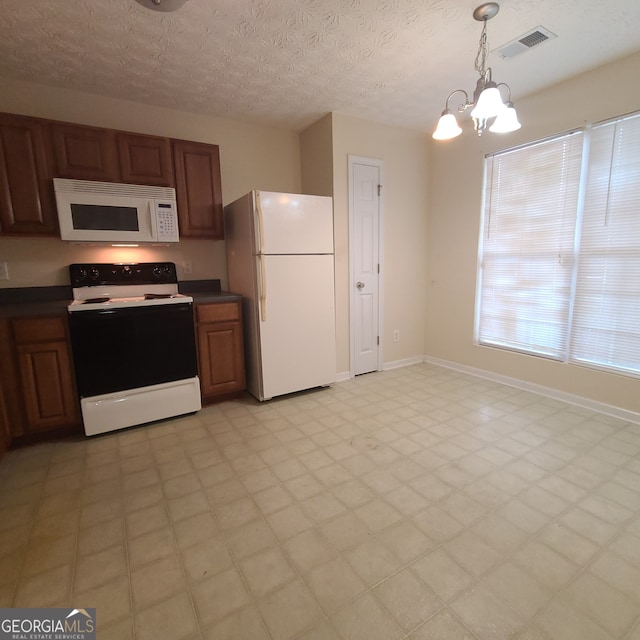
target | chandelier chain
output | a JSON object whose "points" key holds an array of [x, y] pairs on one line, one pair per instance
{"points": [[481, 56]]}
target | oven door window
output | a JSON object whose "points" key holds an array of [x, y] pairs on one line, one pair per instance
{"points": [[119, 349]]}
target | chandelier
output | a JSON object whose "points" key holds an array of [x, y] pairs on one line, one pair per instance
{"points": [[486, 103]]}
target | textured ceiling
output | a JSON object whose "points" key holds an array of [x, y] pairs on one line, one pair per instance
{"points": [[288, 62]]}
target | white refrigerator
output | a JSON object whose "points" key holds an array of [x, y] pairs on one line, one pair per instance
{"points": [[280, 258]]}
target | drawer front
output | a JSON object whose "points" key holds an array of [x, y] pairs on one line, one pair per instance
{"points": [[42, 329], [218, 312]]}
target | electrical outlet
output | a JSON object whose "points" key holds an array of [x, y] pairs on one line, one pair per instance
{"points": [[4, 271], [188, 268], [396, 335]]}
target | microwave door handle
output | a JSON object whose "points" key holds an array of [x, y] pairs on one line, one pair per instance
{"points": [[65, 218], [153, 218]]}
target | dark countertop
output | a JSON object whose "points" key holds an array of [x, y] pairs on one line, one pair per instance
{"points": [[219, 296], [35, 294], [49, 301], [45, 308]]}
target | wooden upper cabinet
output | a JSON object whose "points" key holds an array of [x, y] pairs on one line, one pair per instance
{"points": [[84, 153], [145, 159], [198, 189], [27, 203], [33, 151]]}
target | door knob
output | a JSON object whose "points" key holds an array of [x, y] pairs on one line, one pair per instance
{"points": [[360, 285]]}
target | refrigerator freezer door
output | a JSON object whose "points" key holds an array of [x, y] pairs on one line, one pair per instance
{"points": [[294, 224], [297, 335]]}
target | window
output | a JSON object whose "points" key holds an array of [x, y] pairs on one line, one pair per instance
{"points": [[559, 252]]}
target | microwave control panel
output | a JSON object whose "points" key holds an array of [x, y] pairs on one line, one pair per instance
{"points": [[167, 221]]}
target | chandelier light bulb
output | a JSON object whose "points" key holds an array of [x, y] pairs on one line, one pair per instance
{"points": [[507, 120], [447, 127], [489, 104]]}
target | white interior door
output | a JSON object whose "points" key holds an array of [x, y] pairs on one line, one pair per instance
{"points": [[364, 241]]}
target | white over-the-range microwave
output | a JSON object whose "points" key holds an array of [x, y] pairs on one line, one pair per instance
{"points": [[90, 211]]}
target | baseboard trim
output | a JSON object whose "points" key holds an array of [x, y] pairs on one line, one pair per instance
{"points": [[343, 376], [549, 392], [405, 362]]}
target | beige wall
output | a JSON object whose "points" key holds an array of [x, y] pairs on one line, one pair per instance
{"points": [[429, 261], [316, 158], [404, 153], [454, 216], [251, 156]]}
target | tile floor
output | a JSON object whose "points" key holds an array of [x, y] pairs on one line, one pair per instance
{"points": [[419, 503]]}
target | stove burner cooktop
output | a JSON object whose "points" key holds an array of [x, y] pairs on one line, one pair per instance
{"points": [[157, 296], [99, 286]]}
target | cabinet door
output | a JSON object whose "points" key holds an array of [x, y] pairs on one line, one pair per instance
{"points": [[13, 415], [47, 385], [27, 205], [198, 189], [44, 372], [145, 159], [85, 153], [221, 358], [5, 436]]}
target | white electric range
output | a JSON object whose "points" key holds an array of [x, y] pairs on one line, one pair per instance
{"points": [[134, 346]]}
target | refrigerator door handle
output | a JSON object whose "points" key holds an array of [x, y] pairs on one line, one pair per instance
{"points": [[259, 223], [262, 288]]}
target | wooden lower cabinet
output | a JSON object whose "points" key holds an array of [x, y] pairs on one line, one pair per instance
{"points": [[38, 396], [220, 350], [5, 436], [44, 377]]}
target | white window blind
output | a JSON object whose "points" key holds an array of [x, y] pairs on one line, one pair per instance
{"points": [[559, 253], [527, 246], [606, 322]]}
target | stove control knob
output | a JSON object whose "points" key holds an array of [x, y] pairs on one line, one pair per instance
{"points": [[127, 272], [157, 271], [82, 273], [167, 270], [94, 273]]}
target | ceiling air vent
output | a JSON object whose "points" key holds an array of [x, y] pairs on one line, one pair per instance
{"points": [[532, 38]]}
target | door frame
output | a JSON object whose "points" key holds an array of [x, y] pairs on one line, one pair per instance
{"points": [[353, 160]]}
